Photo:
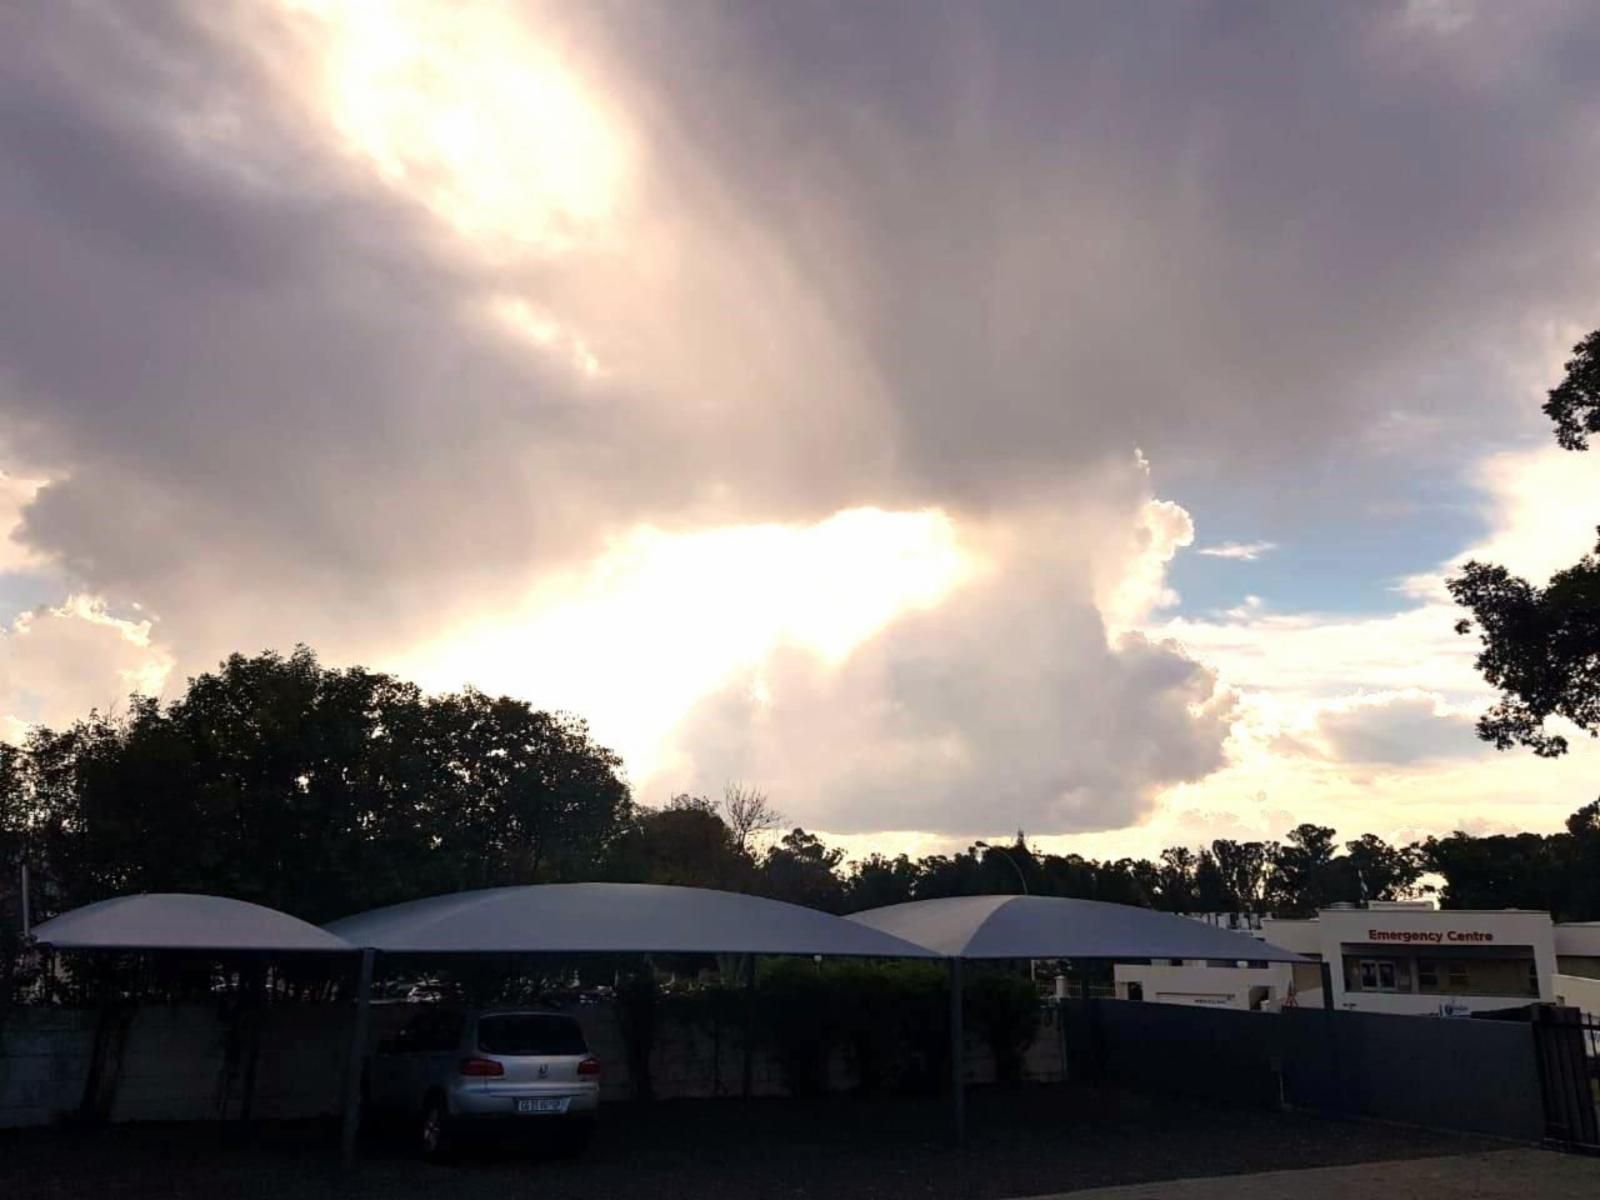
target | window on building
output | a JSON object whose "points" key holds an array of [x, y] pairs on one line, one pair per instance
{"points": [[1377, 975], [1478, 976]]}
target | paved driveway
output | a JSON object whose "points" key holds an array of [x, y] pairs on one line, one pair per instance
{"points": [[1498, 1175]]}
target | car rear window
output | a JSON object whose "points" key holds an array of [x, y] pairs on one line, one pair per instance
{"points": [[529, 1034]]}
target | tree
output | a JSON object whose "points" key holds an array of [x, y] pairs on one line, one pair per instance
{"points": [[1303, 877], [686, 844], [1582, 851], [748, 814], [1501, 871], [802, 870], [1176, 876], [1558, 872], [320, 792], [1378, 870], [1245, 868], [1574, 403], [1540, 646], [877, 880]]}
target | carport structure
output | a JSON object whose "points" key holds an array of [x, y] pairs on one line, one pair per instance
{"points": [[978, 928], [189, 924], [183, 921], [642, 919], [595, 918]]}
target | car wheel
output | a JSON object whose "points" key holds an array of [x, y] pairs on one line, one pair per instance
{"points": [[434, 1135]]}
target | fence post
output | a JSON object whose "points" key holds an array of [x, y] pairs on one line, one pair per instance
{"points": [[1338, 1089], [958, 1054], [749, 1024], [357, 1059]]}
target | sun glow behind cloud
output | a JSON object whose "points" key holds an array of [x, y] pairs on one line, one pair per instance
{"points": [[463, 107], [663, 618]]}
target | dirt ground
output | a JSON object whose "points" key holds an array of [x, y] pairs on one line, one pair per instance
{"points": [[1030, 1142]]}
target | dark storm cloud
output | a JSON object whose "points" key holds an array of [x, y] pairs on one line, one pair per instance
{"points": [[1214, 230]]}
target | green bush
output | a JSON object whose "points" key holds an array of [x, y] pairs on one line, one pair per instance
{"points": [[1004, 1009], [798, 1016], [638, 1011], [890, 1019]]}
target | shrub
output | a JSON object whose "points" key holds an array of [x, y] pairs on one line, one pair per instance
{"points": [[637, 1007], [1005, 1010]]}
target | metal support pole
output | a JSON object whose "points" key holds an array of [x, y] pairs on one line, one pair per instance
{"points": [[355, 1063], [958, 1048], [1330, 1037], [749, 1024], [27, 907]]}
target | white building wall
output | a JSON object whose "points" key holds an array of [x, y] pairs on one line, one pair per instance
{"points": [[1424, 932], [1579, 992], [1197, 983]]}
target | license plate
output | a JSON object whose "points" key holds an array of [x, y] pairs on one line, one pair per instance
{"points": [[547, 1104]]}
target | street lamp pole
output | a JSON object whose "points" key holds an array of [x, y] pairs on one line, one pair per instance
{"points": [[1022, 879], [1005, 854]]}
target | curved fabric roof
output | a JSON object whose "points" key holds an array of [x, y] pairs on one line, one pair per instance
{"points": [[615, 918], [1055, 927], [173, 921]]}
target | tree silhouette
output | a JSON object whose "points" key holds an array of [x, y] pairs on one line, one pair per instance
{"points": [[1540, 646]]}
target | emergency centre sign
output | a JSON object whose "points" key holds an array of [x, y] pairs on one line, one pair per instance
{"points": [[1429, 937]]}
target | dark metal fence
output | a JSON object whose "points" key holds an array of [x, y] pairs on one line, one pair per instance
{"points": [[1472, 1076]]}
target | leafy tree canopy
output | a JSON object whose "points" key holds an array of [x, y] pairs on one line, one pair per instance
{"points": [[1540, 646]]}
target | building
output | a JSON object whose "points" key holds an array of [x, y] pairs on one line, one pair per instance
{"points": [[1394, 957], [1216, 983]]}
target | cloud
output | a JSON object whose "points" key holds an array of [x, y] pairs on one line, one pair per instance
{"points": [[15, 496], [1010, 705], [1397, 728], [389, 328], [56, 664], [700, 607], [1244, 551]]}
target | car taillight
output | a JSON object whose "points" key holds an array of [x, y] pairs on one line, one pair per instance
{"points": [[482, 1068], [589, 1067]]}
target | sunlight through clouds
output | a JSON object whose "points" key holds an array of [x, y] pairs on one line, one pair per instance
{"points": [[461, 106], [664, 617]]}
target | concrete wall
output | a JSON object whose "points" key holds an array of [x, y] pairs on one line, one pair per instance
{"points": [[1199, 984], [175, 1062], [1579, 992]]}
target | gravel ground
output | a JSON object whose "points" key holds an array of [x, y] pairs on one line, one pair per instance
{"points": [[1027, 1142]]}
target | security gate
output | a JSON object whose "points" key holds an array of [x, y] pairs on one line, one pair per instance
{"points": [[1567, 1044]]}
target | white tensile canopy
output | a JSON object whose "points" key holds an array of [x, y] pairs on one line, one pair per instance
{"points": [[179, 921], [596, 918], [974, 927], [615, 918]]}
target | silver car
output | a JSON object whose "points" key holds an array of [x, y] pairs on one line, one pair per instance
{"points": [[451, 1072]]}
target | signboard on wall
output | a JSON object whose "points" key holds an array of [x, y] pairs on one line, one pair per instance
{"points": [[1430, 937]]}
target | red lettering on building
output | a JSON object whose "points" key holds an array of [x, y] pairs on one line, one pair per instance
{"points": [[1428, 937]]}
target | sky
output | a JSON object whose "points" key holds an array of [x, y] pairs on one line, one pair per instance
{"points": [[949, 419]]}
